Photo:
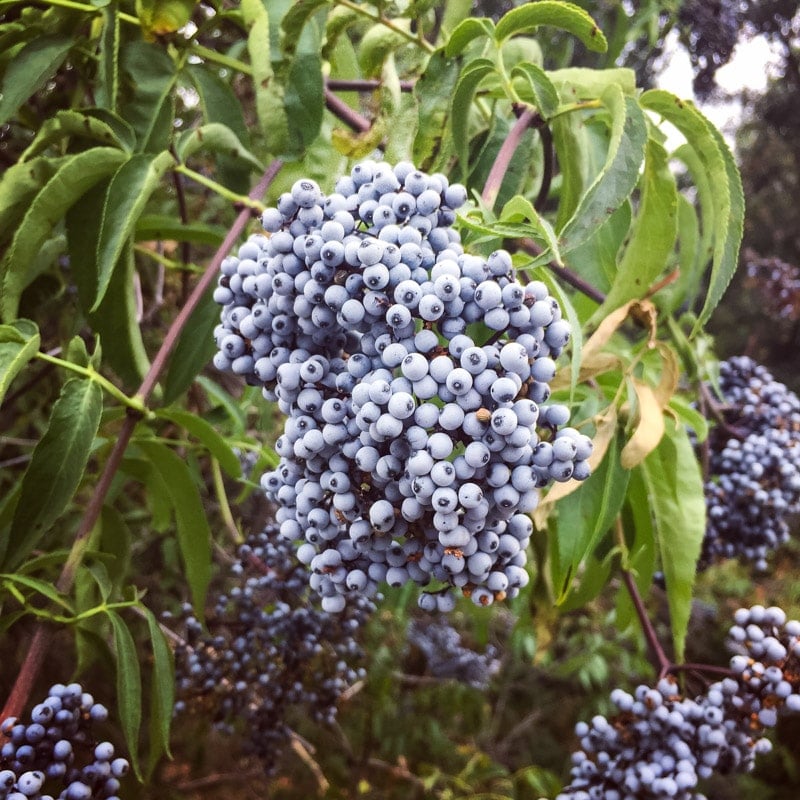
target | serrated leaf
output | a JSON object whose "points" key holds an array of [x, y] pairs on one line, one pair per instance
{"points": [[56, 468], [678, 510], [723, 176], [520, 207], [30, 69], [214, 442], [468, 82], [72, 124], [433, 91], [107, 85], [586, 515], [543, 93], [129, 686], [620, 173], [652, 240], [115, 540], [466, 32], [194, 535], [127, 194], [115, 321], [147, 94], [162, 687], [19, 343], [216, 138], [556, 13], [649, 426], [70, 182], [304, 100]]}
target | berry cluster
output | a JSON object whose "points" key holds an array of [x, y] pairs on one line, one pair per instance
{"points": [[414, 378], [661, 744], [446, 656], [753, 480], [49, 757], [267, 650]]}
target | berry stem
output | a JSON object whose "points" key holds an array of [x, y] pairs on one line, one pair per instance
{"points": [[565, 273], [43, 634], [660, 661], [219, 189], [710, 669], [363, 85]]}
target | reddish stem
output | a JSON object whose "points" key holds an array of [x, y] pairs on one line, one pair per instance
{"points": [[346, 114], [362, 85], [43, 634], [660, 661], [506, 152]]}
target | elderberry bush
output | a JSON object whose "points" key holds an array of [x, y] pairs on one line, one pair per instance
{"points": [[268, 651], [753, 483], [55, 755], [414, 378], [661, 745]]}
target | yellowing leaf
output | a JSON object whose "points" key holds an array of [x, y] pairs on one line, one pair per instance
{"points": [[649, 427]]}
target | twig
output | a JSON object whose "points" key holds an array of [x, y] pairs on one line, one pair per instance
{"points": [[303, 751], [363, 85], [711, 669], [43, 634], [662, 664], [186, 249], [548, 165], [506, 152], [351, 118], [566, 274]]}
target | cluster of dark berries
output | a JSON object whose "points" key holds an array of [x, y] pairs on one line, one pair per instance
{"points": [[753, 480], [661, 745], [54, 756], [268, 651], [447, 657], [414, 379]]}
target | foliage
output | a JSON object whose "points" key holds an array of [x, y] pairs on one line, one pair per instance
{"points": [[131, 134]]}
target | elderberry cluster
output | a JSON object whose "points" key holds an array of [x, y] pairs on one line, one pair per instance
{"points": [[754, 465], [414, 378], [55, 755], [661, 745], [268, 651]]}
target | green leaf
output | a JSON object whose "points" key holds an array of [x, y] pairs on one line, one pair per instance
{"points": [[44, 588], [127, 194], [433, 91], [194, 535], [163, 227], [194, 350], [468, 82], [566, 16], [520, 207], [63, 190], [115, 540], [216, 138], [71, 124], [723, 176], [377, 44], [272, 118], [19, 343], [295, 19], [690, 272], [675, 496], [162, 687], [56, 468], [304, 100], [129, 686], [216, 444], [147, 96], [107, 84], [582, 83], [220, 104], [467, 32], [620, 173], [654, 231], [542, 92], [115, 321], [30, 69], [224, 401]]}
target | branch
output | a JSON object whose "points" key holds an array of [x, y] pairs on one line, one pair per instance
{"points": [[660, 661], [363, 85], [43, 634], [346, 114]]}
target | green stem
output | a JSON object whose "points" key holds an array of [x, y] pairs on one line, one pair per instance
{"points": [[570, 107], [169, 263], [224, 505], [133, 403], [220, 58], [88, 9], [218, 188], [390, 24]]}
